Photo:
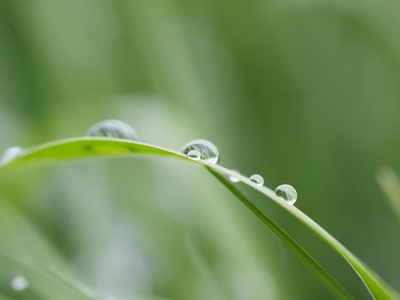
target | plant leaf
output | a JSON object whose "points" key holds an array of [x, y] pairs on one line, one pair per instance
{"points": [[79, 148], [47, 283], [313, 265]]}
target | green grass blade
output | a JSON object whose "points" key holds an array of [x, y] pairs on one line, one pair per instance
{"points": [[390, 184], [46, 283], [376, 286], [80, 148], [83, 148], [313, 265]]}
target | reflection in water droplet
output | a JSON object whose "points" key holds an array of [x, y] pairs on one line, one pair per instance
{"points": [[10, 154], [113, 129], [19, 283], [234, 179], [194, 154], [286, 192], [208, 152], [257, 179]]}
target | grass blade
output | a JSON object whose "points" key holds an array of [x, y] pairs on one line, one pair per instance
{"points": [[80, 148], [47, 283], [313, 265]]}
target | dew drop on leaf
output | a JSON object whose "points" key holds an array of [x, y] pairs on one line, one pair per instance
{"points": [[113, 129], [234, 179], [208, 152], [258, 179], [19, 283], [10, 154], [286, 192]]}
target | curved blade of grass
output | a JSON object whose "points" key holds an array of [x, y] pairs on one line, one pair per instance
{"points": [[83, 148], [79, 148], [46, 284], [313, 265]]}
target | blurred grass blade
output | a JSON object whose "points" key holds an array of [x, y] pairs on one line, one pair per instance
{"points": [[390, 185], [25, 252], [79, 148], [314, 266], [43, 282]]}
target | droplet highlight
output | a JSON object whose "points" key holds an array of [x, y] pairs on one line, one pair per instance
{"points": [[10, 154], [234, 179], [208, 151], [287, 193], [194, 154], [113, 129], [258, 179], [19, 283]]}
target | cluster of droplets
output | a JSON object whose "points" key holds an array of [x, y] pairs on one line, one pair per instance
{"points": [[284, 192], [198, 150], [206, 151]]}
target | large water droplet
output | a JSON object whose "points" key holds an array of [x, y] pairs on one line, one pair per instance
{"points": [[194, 154], [113, 129], [257, 179], [286, 192], [234, 179], [208, 152], [19, 283], [10, 154]]}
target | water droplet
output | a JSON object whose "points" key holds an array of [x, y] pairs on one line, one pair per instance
{"points": [[286, 192], [257, 179], [19, 283], [10, 154], [208, 152], [194, 154], [113, 129], [234, 179]]}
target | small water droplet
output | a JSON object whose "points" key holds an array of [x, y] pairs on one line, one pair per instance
{"points": [[10, 154], [286, 192], [19, 283], [113, 129], [234, 179], [257, 179], [208, 152], [194, 154]]}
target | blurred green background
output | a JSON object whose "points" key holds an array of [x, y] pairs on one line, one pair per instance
{"points": [[302, 92]]}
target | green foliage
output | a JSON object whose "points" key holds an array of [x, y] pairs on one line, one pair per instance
{"points": [[99, 147], [303, 92]]}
